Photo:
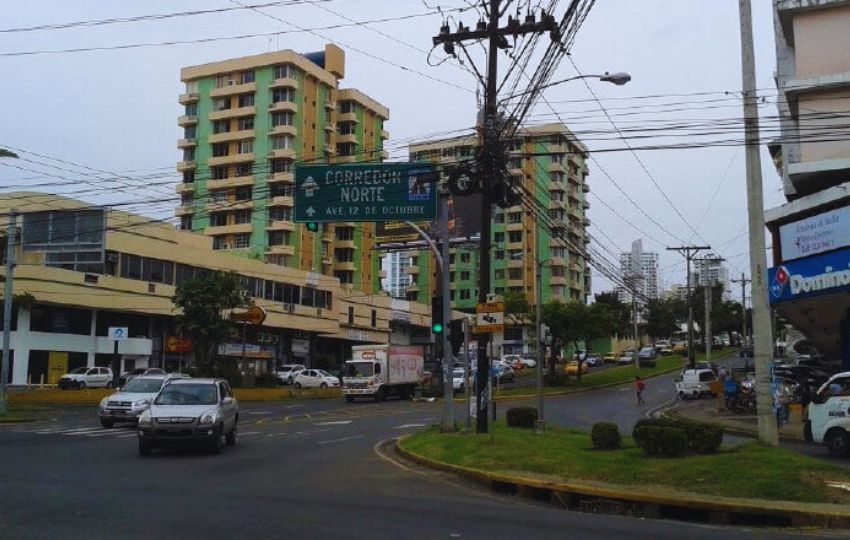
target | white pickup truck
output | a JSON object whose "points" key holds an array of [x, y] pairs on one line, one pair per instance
{"points": [[377, 371], [829, 415]]}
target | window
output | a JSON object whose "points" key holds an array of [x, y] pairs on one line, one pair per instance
{"points": [[451, 258], [219, 173], [499, 237], [344, 255], [347, 128], [186, 199], [350, 314], [131, 266], [242, 217], [512, 333], [192, 109], [188, 177], [221, 104], [284, 71], [514, 237], [285, 118], [344, 233], [189, 132], [374, 318], [499, 290], [499, 274], [279, 238], [346, 149], [282, 94], [465, 294], [282, 142], [218, 219], [499, 254], [514, 273], [515, 217], [451, 276], [242, 240], [219, 243], [280, 214], [247, 77], [346, 107], [344, 276], [464, 276], [499, 218], [219, 196], [188, 154], [280, 190], [246, 123], [220, 150], [243, 193], [246, 100], [465, 257], [186, 223], [515, 254], [244, 169], [221, 126], [157, 271], [515, 163], [280, 165], [246, 147]]}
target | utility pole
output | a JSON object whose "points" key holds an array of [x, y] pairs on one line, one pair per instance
{"points": [[540, 425], [632, 282], [762, 331], [466, 366], [7, 306], [689, 252], [448, 364], [743, 281], [491, 171], [707, 333]]}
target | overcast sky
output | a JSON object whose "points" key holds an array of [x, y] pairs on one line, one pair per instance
{"points": [[116, 110]]}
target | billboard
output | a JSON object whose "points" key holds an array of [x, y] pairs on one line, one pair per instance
{"points": [[821, 274], [817, 234], [464, 222]]}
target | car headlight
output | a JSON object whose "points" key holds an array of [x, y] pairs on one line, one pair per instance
{"points": [[141, 404], [208, 419], [145, 418], [103, 402]]}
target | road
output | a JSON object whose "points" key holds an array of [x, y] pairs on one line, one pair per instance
{"points": [[300, 470]]}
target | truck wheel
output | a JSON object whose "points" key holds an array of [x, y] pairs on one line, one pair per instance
{"points": [[379, 395], [807, 432], [682, 395], [837, 442], [349, 399]]}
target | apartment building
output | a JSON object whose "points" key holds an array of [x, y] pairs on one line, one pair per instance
{"points": [[809, 281], [550, 165], [81, 269], [247, 123], [642, 266]]}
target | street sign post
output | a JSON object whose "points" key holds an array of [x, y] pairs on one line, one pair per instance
{"points": [[365, 192], [116, 334], [490, 317]]}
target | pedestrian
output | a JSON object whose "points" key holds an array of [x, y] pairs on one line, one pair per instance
{"points": [[640, 386], [721, 388]]}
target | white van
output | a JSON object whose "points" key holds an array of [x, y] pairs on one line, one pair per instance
{"points": [[829, 415], [695, 383]]}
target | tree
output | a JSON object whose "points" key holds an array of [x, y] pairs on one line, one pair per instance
{"points": [[206, 301], [595, 321], [518, 310], [622, 312], [555, 317], [661, 318]]}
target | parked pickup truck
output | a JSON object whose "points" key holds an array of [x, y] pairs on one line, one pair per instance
{"points": [[377, 371]]}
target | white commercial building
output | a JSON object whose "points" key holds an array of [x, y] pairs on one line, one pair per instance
{"points": [[710, 270]]}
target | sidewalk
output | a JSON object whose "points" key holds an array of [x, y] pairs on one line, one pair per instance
{"points": [[744, 424]]}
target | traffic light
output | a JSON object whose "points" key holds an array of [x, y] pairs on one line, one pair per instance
{"points": [[312, 226], [437, 314]]}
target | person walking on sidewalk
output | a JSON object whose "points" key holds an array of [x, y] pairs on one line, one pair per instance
{"points": [[720, 389], [640, 386]]}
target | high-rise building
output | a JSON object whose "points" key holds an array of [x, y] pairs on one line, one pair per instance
{"points": [[247, 122], [548, 163], [640, 268], [710, 271], [395, 266]]}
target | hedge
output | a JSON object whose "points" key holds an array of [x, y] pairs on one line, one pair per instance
{"points": [[521, 417], [605, 436], [701, 437], [661, 440]]}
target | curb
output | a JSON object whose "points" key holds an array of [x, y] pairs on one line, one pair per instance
{"points": [[628, 501]]}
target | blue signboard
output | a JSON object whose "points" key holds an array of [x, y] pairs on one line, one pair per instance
{"points": [[822, 274]]}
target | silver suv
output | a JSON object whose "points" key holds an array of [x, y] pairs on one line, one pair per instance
{"points": [[190, 411], [129, 402]]}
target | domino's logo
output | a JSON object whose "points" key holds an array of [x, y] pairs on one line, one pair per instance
{"points": [[780, 282]]}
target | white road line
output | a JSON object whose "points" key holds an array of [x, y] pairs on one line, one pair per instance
{"points": [[259, 412], [244, 433], [98, 434], [406, 426], [126, 436], [335, 423], [71, 431], [340, 439]]}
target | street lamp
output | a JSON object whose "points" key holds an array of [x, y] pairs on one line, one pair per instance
{"points": [[619, 78]]}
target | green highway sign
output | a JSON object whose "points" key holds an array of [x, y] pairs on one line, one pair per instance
{"points": [[366, 192]]}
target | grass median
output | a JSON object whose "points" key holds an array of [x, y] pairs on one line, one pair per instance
{"points": [[16, 414], [746, 471], [613, 376]]}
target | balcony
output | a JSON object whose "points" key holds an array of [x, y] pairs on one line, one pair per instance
{"points": [[412, 288], [514, 226], [555, 204], [183, 188], [186, 143], [556, 186], [284, 130], [587, 221], [283, 106], [236, 181], [515, 282], [280, 250], [585, 188], [585, 204], [183, 210], [515, 263], [330, 104], [287, 153], [233, 89], [347, 117], [282, 200], [412, 270], [347, 159], [385, 154], [556, 168], [385, 134], [183, 166], [347, 138], [347, 266], [234, 228], [329, 149], [557, 242], [284, 82], [572, 193], [557, 148], [280, 226], [229, 205], [232, 113], [282, 178], [229, 160], [188, 97], [557, 280], [345, 244], [187, 120], [330, 126], [231, 136], [557, 261]]}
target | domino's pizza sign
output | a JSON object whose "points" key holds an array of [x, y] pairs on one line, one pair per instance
{"points": [[822, 274]]}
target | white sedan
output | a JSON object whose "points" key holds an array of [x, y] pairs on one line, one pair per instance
{"points": [[316, 378], [457, 379]]}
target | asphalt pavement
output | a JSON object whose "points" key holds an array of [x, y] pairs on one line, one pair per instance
{"points": [[299, 470]]}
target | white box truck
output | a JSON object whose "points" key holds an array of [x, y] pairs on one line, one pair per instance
{"points": [[377, 371]]}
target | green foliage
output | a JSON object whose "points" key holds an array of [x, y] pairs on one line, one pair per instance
{"points": [[622, 312], [661, 440], [518, 310], [701, 437], [662, 316], [25, 301], [521, 417], [266, 380], [555, 379], [605, 436], [576, 323], [205, 302]]}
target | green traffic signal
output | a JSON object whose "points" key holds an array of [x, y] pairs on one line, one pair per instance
{"points": [[312, 226], [437, 328]]}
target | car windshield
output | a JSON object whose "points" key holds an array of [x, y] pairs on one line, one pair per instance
{"points": [[286, 368], [322, 373], [647, 350], [458, 373], [145, 386], [359, 369], [79, 370], [187, 394]]}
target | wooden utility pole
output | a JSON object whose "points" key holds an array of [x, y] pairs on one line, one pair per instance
{"points": [[689, 252]]}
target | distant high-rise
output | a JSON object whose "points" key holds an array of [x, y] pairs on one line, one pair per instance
{"points": [[395, 266], [642, 268], [711, 271]]}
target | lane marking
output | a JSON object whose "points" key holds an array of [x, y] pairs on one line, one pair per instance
{"points": [[406, 426], [334, 423], [341, 439], [244, 433], [72, 431]]}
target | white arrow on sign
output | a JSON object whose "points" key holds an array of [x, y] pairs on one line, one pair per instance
{"points": [[309, 186], [310, 211]]}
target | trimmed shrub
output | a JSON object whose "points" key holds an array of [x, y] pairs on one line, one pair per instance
{"points": [[605, 436], [661, 441], [701, 437], [521, 417]]}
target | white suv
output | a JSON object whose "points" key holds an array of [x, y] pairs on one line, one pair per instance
{"points": [[129, 402], [87, 377], [190, 411], [287, 373]]}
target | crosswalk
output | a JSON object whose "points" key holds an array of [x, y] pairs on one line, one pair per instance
{"points": [[87, 432]]}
